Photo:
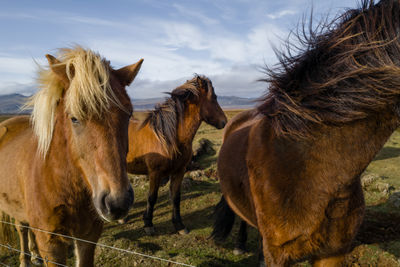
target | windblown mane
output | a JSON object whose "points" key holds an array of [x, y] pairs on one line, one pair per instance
{"points": [[348, 69], [89, 93], [165, 117]]}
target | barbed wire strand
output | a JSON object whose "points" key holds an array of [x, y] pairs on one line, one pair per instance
{"points": [[100, 245], [30, 255]]}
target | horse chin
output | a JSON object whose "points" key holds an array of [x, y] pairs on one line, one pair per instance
{"points": [[111, 218], [103, 216], [219, 125]]}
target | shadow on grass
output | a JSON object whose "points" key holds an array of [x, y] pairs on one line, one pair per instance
{"points": [[381, 226], [387, 152], [147, 246], [199, 219], [219, 262], [199, 188]]}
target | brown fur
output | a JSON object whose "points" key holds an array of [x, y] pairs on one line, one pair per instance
{"points": [[161, 145], [63, 188], [292, 167], [3, 131]]}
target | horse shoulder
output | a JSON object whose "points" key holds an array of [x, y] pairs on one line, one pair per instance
{"points": [[16, 143], [144, 148], [234, 181]]}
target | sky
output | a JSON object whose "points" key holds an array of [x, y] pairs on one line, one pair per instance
{"points": [[229, 41]]}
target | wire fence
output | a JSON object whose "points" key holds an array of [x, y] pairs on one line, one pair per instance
{"points": [[86, 241], [30, 255]]}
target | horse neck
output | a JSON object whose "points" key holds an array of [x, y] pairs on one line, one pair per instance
{"points": [[337, 156], [188, 124], [304, 176]]}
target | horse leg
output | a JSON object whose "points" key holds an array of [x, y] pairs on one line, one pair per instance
{"points": [[261, 259], [33, 249], [240, 247], [84, 251], [23, 241], [151, 201], [175, 192], [336, 261], [52, 249]]}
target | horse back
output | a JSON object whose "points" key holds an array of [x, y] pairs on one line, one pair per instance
{"points": [[17, 148], [243, 119]]}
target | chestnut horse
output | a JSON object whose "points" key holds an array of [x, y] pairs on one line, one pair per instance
{"points": [[291, 167], [67, 170], [161, 145]]}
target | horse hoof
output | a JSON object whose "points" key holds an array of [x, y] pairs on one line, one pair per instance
{"points": [[149, 230], [238, 251], [184, 231], [35, 260]]}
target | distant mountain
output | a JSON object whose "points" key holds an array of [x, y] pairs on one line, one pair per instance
{"points": [[228, 102], [11, 104], [236, 102]]}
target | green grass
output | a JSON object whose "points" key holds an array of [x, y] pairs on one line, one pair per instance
{"points": [[378, 242]]}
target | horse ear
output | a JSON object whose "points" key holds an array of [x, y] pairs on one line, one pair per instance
{"points": [[183, 95], [127, 74], [58, 69], [203, 85]]}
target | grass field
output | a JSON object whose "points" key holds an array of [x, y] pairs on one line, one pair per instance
{"points": [[377, 244]]}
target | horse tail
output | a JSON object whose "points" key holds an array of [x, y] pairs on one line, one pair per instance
{"points": [[7, 231], [224, 219]]}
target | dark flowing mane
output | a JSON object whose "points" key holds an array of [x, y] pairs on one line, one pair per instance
{"points": [[165, 117], [347, 70]]}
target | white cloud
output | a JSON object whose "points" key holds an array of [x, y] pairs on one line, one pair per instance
{"points": [[16, 65], [195, 14], [17, 88], [281, 13]]}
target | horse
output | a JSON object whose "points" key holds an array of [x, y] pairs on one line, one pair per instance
{"points": [[161, 145], [291, 166], [63, 170]]}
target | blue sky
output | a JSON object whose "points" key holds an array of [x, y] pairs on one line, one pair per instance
{"points": [[226, 40]]}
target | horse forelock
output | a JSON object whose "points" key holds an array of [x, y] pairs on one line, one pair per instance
{"points": [[89, 94], [348, 69]]}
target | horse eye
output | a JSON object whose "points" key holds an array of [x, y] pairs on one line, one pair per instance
{"points": [[74, 120]]}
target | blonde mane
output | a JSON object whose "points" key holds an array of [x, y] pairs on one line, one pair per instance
{"points": [[89, 93]]}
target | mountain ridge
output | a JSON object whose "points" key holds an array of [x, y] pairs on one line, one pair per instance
{"points": [[12, 103]]}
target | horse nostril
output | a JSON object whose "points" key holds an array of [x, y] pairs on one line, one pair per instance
{"points": [[222, 124], [103, 203]]}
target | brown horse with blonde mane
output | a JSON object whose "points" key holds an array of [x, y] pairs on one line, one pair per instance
{"points": [[67, 170], [161, 145], [292, 166]]}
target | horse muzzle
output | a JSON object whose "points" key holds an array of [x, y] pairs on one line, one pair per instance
{"points": [[114, 207]]}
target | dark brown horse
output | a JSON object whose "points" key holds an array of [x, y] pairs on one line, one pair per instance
{"points": [[67, 170], [161, 145], [291, 167]]}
